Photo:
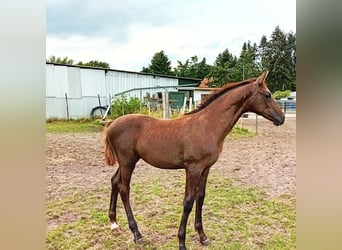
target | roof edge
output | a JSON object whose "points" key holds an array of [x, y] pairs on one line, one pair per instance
{"points": [[124, 71]]}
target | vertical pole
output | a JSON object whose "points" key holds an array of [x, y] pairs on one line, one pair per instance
{"points": [[190, 104], [67, 105], [165, 99], [184, 105], [167, 107], [99, 99], [256, 124], [110, 103], [140, 100]]}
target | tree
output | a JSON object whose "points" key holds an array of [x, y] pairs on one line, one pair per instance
{"points": [[160, 64], [248, 65], [65, 60], [224, 70], [192, 68], [291, 44], [262, 52], [94, 63], [277, 59]]}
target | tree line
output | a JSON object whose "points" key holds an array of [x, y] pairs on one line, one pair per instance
{"points": [[66, 60], [276, 54]]}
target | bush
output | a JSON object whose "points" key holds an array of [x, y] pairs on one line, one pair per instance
{"points": [[281, 94], [123, 106]]}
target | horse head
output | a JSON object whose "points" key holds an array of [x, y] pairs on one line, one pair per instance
{"points": [[262, 102]]}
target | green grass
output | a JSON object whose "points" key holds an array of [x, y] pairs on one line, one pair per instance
{"points": [[240, 132], [73, 126], [234, 217], [85, 125]]}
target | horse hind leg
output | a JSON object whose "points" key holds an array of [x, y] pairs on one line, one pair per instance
{"points": [[126, 173], [115, 183]]}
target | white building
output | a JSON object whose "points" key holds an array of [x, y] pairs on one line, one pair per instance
{"points": [[73, 91]]}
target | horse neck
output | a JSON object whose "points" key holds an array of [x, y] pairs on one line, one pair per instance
{"points": [[226, 110]]}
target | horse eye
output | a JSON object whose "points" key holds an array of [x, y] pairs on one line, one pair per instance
{"points": [[268, 95]]}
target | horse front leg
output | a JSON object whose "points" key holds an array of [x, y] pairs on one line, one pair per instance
{"points": [[199, 204], [115, 184], [187, 207], [188, 203]]}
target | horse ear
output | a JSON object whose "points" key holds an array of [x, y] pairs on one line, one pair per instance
{"points": [[262, 78]]}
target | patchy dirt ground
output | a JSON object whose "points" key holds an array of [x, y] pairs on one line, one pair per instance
{"points": [[267, 160], [76, 161]]}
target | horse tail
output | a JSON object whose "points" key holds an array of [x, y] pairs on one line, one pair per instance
{"points": [[108, 150]]}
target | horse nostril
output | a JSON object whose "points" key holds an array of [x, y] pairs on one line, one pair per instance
{"points": [[282, 119], [279, 120]]}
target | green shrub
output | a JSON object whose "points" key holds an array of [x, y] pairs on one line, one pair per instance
{"points": [[281, 94], [123, 106]]}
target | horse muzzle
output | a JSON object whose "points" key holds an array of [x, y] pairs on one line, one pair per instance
{"points": [[279, 120]]}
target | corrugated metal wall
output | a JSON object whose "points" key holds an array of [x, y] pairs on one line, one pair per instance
{"points": [[74, 91]]}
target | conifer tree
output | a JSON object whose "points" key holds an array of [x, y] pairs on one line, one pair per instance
{"points": [[160, 64]]}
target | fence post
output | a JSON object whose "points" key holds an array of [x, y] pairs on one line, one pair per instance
{"points": [[141, 99], [98, 97], [110, 102], [165, 99], [256, 124], [184, 105], [67, 105], [190, 104]]}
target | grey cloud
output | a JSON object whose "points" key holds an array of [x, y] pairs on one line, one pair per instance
{"points": [[103, 18]]}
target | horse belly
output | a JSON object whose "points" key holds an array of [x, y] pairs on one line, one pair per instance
{"points": [[161, 151], [162, 157], [176, 156]]}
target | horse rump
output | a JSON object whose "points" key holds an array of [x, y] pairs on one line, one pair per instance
{"points": [[108, 150]]}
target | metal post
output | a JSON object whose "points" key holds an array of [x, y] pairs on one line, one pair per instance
{"points": [[256, 123], [110, 102], [140, 100], [190, 104], [98, 97], [67, 105]]}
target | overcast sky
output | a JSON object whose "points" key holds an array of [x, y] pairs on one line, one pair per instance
{"points": [[126, 34]]}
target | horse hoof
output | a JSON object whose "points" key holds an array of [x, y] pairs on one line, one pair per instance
{"points": [[139, 241], [114, 226], [205, 242]]}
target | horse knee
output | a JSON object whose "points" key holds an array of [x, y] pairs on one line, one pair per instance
{"points": [[188, 204]]}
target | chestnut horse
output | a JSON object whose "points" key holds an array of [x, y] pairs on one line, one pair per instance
{"points": [[192, 142]]}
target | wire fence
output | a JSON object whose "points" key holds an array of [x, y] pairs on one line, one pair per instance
{"points": [[288, 106], [251, 120]]}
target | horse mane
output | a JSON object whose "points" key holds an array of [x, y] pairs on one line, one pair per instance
{"points": [[213, 96]]}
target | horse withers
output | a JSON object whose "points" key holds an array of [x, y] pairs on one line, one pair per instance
{"points": [[188, 142]]}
